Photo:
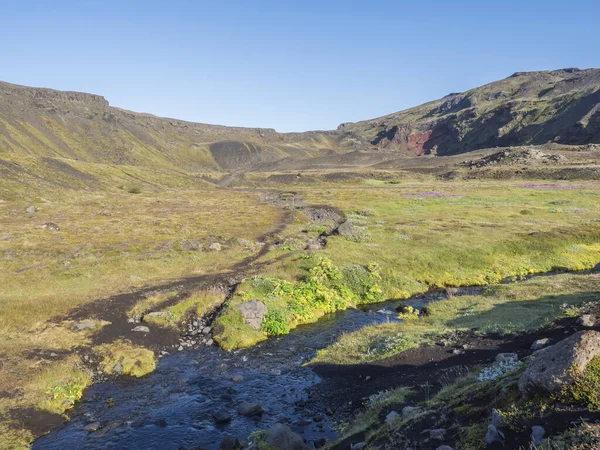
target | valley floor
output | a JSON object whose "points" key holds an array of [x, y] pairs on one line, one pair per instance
{"points": [[102, 283]]}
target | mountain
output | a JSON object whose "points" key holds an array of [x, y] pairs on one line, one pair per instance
{"points": [[78, 126], [527, 108], [561, 106]]}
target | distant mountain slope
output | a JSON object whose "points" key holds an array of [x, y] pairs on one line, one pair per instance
{"points": [[72, 125], [561, 106]]}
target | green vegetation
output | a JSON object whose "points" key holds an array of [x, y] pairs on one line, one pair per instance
{"points": [[197, 304], [505, 309], [120, 357], [586, 387], [231, 332]]}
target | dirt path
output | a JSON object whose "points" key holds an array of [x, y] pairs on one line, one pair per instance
{"points": [[115, 309]]}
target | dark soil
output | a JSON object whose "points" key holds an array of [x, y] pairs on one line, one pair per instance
{"points": [[344, 389]]}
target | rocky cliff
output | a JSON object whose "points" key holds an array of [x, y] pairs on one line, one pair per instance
{"points": [[561, 106]]}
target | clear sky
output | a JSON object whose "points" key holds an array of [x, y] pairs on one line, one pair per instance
{"points": [[289, 65]]}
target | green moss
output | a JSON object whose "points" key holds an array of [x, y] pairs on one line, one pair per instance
{"points": [[231, 332], [134, 361]]}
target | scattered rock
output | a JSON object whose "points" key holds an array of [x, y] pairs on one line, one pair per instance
{"points": [[410, 410], [230, 443], [30, 209], [141, 329], [281, 437], [551, 369], [253, 313], [358, 446], [162, 423], [192, 246], [106, 213], [437, 433], [587, 320], [221, 416], [493, 435], [537, 435], [497, 419], [507, 358], [393, 415], [84, 324], [210, 342], [540, 344], [92, 426], [451, 292], [49, 226], [244, 242], [118, 368], [458, 351], [206, 330], [250, 409], [346, 229], [215, 247]]}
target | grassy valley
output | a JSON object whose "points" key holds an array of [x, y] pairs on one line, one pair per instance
{"points": [[127, 239]]}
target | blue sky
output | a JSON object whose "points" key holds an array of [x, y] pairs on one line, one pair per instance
{"points": [[289, 65]]}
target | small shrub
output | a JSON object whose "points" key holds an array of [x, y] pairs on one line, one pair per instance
{"points": [[409, 313], [585, 389], [275, 323], [70, 392], [134, 190]]}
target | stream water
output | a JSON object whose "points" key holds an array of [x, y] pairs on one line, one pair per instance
{"points": [[172, 407]]}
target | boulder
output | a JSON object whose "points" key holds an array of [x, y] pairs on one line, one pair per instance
{"points": [[253, 313], [540, 344], [410, 410], [230, 443], [30, 209], [393, 415], [587, 320], [141, 329], [497, 419], [537, 435], [215, 247], [444, 447], [250, 409], [49, 226], [346, 229], [221, 416], [281, 437], [437, 433], [92, 427], [550, 370], [493, 435]]}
